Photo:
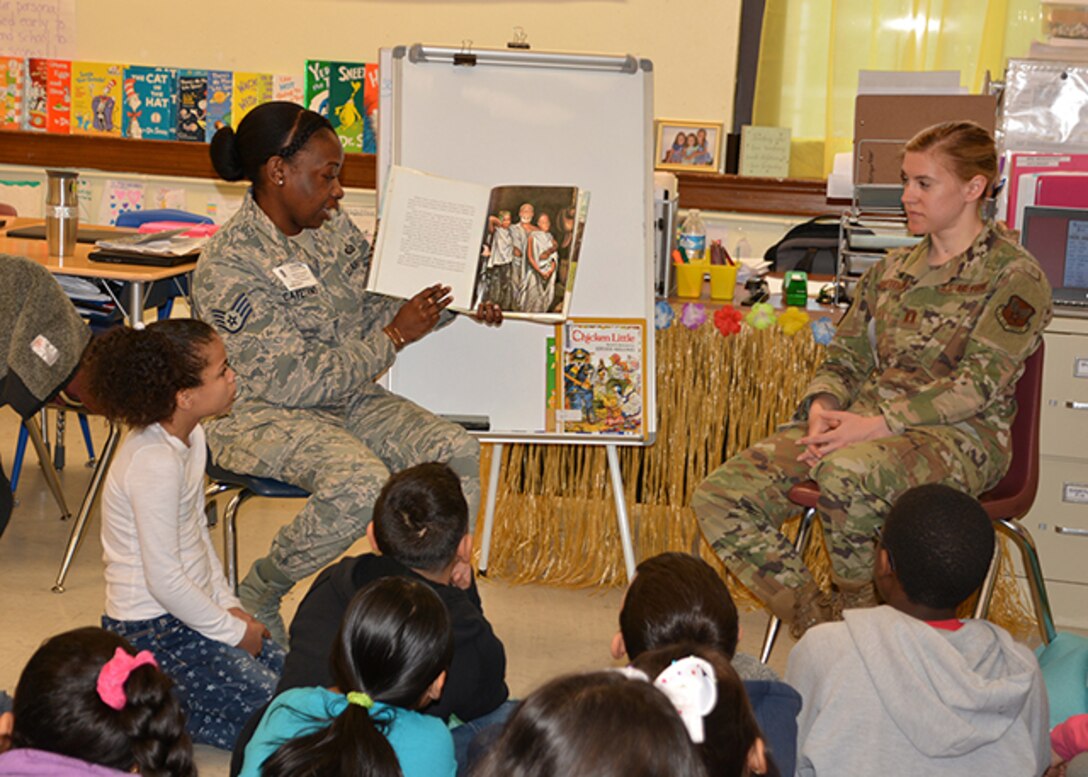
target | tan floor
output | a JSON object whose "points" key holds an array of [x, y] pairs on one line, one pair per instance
{"points": [[546, 631]]}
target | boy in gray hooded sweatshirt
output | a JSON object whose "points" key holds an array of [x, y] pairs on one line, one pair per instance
{"points": [[907, 688]]}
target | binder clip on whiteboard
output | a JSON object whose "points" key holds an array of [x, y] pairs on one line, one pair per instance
{"points": [[465, 56], [520, 41]]}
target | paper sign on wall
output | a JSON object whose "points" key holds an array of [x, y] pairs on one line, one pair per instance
{"points": [[25, 196], [764, 151], [119, 197], [43, 28]]}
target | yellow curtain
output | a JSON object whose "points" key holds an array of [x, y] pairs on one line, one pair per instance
{"points": [[811, 52]]}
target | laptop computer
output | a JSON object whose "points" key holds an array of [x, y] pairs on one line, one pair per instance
{"points": [[1058, 239]]}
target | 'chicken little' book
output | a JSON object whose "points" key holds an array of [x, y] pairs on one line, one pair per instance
{"points": [[150, 102], [96, 98], [12, 92], [250, 90], [192, 105], [220, 91]]}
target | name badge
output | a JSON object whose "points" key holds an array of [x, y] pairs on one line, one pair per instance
{"points": [[295, 276]]}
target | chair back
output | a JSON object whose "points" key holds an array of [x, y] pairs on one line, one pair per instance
{"points": [[134, 218], [8, 210], [1014, 494]]}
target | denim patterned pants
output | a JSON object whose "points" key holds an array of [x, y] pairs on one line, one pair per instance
{"points": [[220, 686]]}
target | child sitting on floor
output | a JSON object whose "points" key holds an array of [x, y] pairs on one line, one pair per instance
{"points": [[389, 660], [677, 597], [87, 704], [908, 688], [165, 588]]}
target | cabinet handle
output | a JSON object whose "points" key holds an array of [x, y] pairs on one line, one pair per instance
{"points": [[1071, 531], [1072, 405]]}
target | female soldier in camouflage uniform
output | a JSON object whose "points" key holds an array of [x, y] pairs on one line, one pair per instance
{"points": [[917, 388], [283, 282]]}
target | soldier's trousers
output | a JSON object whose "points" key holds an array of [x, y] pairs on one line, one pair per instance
{"points": [[343, 460], [741, 506]]}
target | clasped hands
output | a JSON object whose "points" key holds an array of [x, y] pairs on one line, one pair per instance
{"points": [[419, 315], [830, 429]]}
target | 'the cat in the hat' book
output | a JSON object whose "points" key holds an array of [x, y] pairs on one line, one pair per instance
{"points": [[150, 102]]}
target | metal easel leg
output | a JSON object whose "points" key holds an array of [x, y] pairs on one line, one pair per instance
{"points": [[489, 510], [621, 510]]}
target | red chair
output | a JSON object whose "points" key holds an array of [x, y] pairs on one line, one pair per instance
{"points": [[1006, 503]]}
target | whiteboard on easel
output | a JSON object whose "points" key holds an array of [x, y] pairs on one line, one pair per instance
{"points": [[511, 117]]}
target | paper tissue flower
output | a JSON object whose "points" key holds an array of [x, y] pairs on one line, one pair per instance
{"points": [[727, 318], [760, 316], [663, 314], [793, 320], [823, 330], [693, 315]]}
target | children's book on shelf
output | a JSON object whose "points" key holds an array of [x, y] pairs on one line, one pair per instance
{"points": [[602, 377], [48, 95], [220, 92], [12, 92], [516, 246], [370, 110], [288, 88], [96, 101], [150, 102], [346, 109], [317, 86], [250, 90], [192, 105]]}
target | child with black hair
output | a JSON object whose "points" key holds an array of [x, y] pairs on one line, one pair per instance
{"points": [[601, 724], [728, 737], [165, 589], [908, 688], [389, 660], [88, 705], [677, 597], [420, 528]]}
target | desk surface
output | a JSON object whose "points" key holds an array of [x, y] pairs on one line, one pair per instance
{"points": [[79, 264]]}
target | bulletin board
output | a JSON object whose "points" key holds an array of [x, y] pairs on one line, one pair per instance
{"points": [[518, 117]]}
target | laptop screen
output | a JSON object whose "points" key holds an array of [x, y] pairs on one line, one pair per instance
{"points": [[1058, 239]]}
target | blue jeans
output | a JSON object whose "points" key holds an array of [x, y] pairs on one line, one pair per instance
{"points": [[473, 739], [219, 685]]}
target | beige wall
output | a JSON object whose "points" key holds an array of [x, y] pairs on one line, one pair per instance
{"points": [[692, 43]]}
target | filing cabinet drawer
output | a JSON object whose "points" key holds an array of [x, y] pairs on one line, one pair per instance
{"points": [[1058, 521], [1064, 424]]}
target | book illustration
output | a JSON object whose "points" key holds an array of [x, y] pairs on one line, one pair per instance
{"points": [[288, 88], [346, 108], [602, 377], [192, 105], [37, 87], [12, 91], [317, 86], [467, 236], [59, 97], [370, 110], [150, 102], [551, 385], [96, 109], [250, 90], [220, 91], [529, 248]]}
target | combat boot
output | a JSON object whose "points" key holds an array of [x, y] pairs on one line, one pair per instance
{"points": [[812, 606], [260, 593]]}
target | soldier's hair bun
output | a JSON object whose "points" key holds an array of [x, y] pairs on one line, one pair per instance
{"points": [[225, 157]]}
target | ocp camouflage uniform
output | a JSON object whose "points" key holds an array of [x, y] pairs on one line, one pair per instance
{"points": [[308, 410], [937, 352]]}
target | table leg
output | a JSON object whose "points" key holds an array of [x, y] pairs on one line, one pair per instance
{"points": [[136, 304]]}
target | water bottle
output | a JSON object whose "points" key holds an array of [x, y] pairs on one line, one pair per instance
{"points": [[61, 212], [693, 237]]}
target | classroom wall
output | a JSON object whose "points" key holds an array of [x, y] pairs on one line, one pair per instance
{"points": [[692, 43]]}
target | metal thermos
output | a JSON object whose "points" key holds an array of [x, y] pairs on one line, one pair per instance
{"points": [[61, 212]]}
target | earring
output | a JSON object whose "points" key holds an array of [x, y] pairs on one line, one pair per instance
{"points": [[279, 182]]}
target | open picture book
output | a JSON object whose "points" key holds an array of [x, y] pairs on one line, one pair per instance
{"points": [[516, 246]]}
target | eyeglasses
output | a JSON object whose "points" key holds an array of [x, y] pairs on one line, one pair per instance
{"points": [[878, 542]]}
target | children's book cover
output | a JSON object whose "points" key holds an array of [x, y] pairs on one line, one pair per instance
{"points": [[220, 92], [370, 110], [192, 105], [151, 102], [12, 92], [96, 104], [250, 90], [346, 108], [37, 88], [288, 88], [317, 86], [58, 96], [602, 377]]}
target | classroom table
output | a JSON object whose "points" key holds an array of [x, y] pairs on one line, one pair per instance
{"points": [[138, 277]]}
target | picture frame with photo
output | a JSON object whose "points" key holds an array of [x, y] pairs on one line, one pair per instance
{"points": [[688, 145]]}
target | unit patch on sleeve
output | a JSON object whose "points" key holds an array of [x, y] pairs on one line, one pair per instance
{"points": [[1015, 315]]}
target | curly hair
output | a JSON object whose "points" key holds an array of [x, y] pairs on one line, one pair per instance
{"points": [[58, 709], [134, 375]]}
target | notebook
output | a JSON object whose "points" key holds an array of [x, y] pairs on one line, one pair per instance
{"points": [[1058, 239]]}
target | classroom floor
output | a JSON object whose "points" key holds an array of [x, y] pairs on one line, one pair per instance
{"points": [[547, 631]]}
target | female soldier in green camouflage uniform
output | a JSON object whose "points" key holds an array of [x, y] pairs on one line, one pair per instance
{"points": [[283, 282], [917, 388]]}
